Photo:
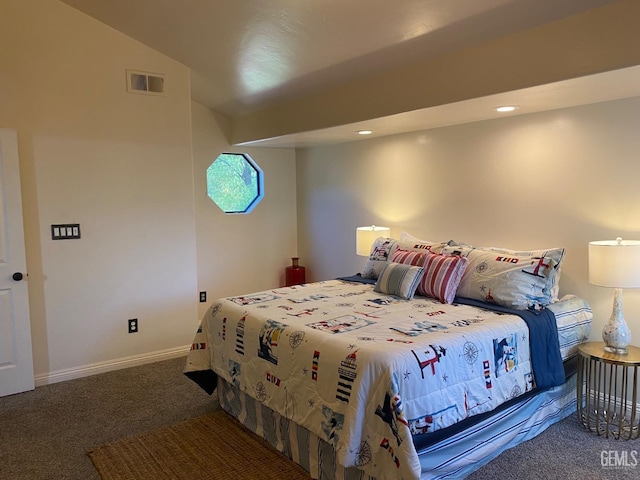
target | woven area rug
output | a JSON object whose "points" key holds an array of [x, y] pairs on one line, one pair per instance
{"points": [[214, 446]]}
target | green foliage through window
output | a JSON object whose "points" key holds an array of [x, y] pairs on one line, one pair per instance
{"points": [[234, 183]]}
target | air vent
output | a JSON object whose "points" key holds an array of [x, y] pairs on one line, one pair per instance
{"points": [[145, 82]]}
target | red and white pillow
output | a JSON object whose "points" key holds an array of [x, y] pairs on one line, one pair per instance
{"points": [[409, 257], [442, 273]]}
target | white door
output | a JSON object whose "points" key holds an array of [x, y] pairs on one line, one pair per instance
{"points": [[16, 360]]}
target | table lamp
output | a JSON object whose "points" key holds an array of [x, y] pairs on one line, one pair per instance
{"points": [[615, 264], [365, 236]]}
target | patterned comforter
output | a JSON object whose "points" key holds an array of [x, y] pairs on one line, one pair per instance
{"points": [[363, 370]]}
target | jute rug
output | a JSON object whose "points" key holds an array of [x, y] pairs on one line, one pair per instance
{"points": [[214, 446]]}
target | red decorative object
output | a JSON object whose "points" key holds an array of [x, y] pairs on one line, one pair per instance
{"points": [[294, 273]]}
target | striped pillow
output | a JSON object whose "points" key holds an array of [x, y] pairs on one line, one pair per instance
{"points": [[399, 279], [409, 257], [442, 275]]}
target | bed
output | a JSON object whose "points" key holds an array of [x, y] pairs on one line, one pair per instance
{"points": [[392, 374]]}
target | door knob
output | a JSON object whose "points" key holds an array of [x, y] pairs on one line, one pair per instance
{"points": [[18, 276]]}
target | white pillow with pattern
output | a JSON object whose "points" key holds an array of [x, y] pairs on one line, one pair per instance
{"points": [[520, 280]]}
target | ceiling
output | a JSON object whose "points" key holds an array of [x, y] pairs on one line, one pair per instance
{"points": [[262, 63]]}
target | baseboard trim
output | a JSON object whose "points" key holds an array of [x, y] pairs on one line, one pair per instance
{"points": [[110, 365], [616, 401]]}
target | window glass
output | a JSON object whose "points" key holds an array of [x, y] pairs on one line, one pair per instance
{"points": [[234, 183]]}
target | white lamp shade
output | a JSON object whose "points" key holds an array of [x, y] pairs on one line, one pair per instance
{"points": [[365, 236], [615, 263]]}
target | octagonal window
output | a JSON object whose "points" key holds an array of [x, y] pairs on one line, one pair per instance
{"points": [[234, 183]]}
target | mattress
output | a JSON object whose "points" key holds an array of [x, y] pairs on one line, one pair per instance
{"points": [[365, 372], [573, 318]]}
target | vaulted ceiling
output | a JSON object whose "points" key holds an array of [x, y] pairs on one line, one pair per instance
{"points": [[308, 72]]}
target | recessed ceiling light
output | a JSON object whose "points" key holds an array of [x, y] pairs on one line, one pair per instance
{"points": [[507, 108], [364, 132]]}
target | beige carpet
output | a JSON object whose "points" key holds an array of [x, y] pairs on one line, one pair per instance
{"points": [[213, 446]]}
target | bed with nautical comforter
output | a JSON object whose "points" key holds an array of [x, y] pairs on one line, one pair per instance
{"points": [[368, 367]]}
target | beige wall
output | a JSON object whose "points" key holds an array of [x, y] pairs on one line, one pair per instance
{"points": [[131, 170], [242, 253], [560, 178], [118, 164]]}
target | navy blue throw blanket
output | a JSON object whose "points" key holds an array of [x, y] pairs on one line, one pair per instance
{"points": [[544, 346]]}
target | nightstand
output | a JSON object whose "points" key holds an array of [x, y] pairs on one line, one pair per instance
{"points": [[607, 391]]}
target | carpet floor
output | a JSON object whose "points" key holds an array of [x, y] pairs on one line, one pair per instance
{"points": [[209, 447], [45, 434]]}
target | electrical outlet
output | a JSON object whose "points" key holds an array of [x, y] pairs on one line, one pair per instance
{"points": [[203, 297], [133, 325]]}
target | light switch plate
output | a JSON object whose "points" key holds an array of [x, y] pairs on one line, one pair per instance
{"points": [[65, 231]]}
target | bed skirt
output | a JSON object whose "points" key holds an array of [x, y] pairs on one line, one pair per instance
{"points": [[453, 457]]}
